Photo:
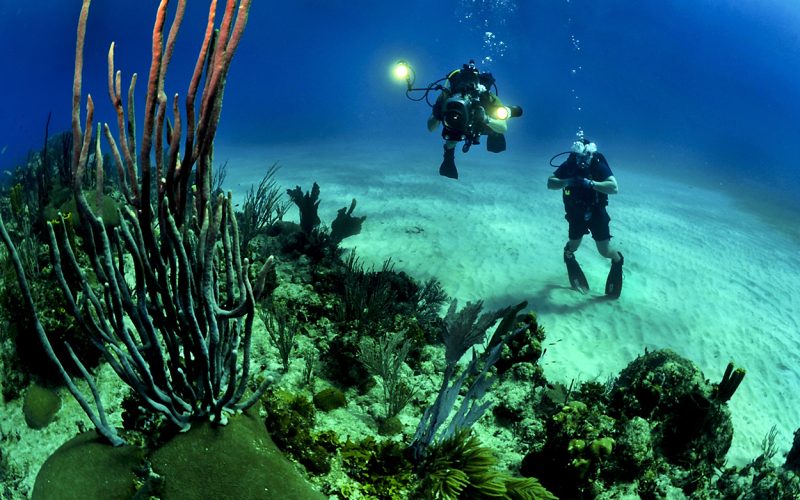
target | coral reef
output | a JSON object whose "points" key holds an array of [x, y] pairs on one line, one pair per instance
{"points": [[660, 429], [595, 440]]}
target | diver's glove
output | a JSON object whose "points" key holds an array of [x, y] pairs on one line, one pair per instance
{"points": [[581, 182]]}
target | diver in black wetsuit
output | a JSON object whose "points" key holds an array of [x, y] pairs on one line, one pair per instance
{"points": [[467, 109], [586, 181]]}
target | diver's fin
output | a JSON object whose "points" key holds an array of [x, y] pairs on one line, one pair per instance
{"points": [[576, 277], [448, 166], [614, 280], [495, 143]]}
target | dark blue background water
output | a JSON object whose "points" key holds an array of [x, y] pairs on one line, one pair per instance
{"points": [[706, 85]]}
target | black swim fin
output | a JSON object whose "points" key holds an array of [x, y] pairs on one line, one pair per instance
{"points": [[614, 280], [448, 166], [576, 277], [495, 143]]}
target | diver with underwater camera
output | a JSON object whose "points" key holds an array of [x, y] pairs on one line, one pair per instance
{"points": [[467, 108]]}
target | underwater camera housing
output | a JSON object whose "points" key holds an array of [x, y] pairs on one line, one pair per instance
{"points": [[465, 118], [458, 116], [463, 115], [461, 112]]}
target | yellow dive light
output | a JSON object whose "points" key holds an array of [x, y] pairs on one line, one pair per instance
{"points": [[502, 113], [403, 71], [506, 112]]}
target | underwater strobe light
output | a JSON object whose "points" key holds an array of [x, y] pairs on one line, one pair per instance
{"points": [[506, 112], [404, 71]]}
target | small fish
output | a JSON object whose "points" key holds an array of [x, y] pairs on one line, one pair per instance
{"points": [[2, 151]]}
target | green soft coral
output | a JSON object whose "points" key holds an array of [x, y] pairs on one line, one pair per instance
{"points": [[460, 467]]}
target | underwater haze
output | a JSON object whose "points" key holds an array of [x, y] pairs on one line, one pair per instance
{"points": [[694, 104], [711, 86]]}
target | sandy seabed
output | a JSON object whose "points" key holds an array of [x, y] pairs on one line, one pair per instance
{"points": [[704, 275]]}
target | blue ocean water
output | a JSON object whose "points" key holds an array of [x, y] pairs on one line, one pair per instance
{"points": [[709, 85], [703, 92]]}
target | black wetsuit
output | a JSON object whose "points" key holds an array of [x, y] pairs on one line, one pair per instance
{"points": [[585, 207]]}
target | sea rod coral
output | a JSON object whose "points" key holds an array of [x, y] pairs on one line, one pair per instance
{"points": [[178, 331]]}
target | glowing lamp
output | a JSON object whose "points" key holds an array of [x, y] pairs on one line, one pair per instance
{"points": [[502, 113], [402, 71]]}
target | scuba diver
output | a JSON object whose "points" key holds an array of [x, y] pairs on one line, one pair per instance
{"points": [[586, 181], [467, 108]]}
